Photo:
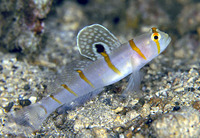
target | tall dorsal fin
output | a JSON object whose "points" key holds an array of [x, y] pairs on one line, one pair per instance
{"points": [[94, 38]]}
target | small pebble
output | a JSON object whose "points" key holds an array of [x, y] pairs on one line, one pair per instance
{"points": [[33, 99], [179, 89], [26, 87], [9, 106], [24, 102]]}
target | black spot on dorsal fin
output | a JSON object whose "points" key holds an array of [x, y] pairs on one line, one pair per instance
{"points": [[100, 48]]}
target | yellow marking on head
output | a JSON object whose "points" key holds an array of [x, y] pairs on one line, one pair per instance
{"points": [[67, 88], [136, 49], [110, 65], [156, 37], [52, 97], [158, 46], [45, 110], [154, 30], [81, 74]]}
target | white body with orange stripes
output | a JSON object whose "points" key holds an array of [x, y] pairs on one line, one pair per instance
{"points": [[110, 62]]}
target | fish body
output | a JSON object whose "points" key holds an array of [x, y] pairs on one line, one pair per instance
{"points": [[108, 61]]}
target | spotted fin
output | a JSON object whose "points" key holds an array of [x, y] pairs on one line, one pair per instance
{"points": [[65, 76], [94, 39]]}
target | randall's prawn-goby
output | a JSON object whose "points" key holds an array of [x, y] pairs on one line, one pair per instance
{"points": [[107, 61]]}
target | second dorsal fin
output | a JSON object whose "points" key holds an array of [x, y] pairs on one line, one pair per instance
{"points": [[93, 39], [66, 75]]}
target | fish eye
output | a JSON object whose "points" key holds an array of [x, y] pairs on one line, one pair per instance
{"points": [[155, 37]]}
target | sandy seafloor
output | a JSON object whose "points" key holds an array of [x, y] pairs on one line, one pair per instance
{"points": [[38, 38]]}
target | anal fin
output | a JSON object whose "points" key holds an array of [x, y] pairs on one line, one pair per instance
{"points": [[79, 101]]}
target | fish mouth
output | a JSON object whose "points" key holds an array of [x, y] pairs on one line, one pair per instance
{"points": [[168, 40]]}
